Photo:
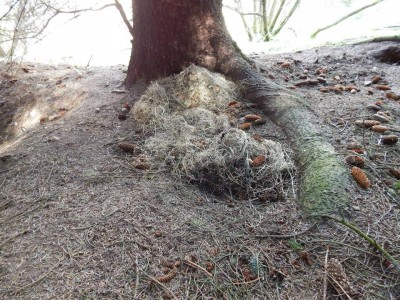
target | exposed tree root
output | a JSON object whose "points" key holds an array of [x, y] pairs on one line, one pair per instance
{"points": [[323, 177]]}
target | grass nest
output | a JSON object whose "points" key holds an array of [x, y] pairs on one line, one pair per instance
{"points": [[193, 134]]}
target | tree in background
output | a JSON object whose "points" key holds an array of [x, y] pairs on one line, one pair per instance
{"points": [[25, 20], [170, 35], [268, 17]]}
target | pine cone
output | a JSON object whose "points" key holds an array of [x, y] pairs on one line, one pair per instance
{"points": [[245, 126], [167, 277], [353, 145], [367, 123], [142, 166], [339, 278], [355, 160], [395, 173], [379, 128], [122, 117], [389, 139], [257, 137], [382, 87], [250, 118], [393, 96], [259, 122], [376, 79], [358, 151], [233, 103], [127, 147], [360, 177], [258, 161]]}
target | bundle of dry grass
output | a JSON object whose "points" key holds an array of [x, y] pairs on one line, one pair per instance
{"points": [[193, 138]]}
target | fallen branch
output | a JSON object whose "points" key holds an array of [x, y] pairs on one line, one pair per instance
{"points": [[344, 18], [369, 239]]}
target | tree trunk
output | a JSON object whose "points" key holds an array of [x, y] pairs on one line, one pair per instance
{"points": [[171, 34]]}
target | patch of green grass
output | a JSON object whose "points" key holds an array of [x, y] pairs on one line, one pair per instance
{"points": [[295, 245], [397, 186]]}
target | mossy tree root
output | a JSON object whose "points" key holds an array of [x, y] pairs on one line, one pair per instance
{"points": [[324, 179]]}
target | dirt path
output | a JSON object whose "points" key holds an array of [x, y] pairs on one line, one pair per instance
{"points": [[78, 222]]}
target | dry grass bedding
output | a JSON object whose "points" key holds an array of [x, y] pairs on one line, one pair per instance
{"points": [[193, 136]]}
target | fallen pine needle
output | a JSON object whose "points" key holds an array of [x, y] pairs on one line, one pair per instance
{"points": [[192, 264], [38, 280]]}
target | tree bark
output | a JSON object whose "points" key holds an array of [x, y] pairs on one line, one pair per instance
{"points": [[171, 34]]}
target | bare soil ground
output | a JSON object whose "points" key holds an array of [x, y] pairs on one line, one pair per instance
{"points": [[79, 222]]}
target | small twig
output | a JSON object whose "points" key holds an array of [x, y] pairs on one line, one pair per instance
{"points": [[113, 212], [387, 165], [90, 59], [50, 173], [236, 10], [137, 230], [326, 275], [160, 284], [38, 280], [82, 228], [341, 287], [26, 211], [367, 238], [9, 10], [12, 238], [4, 181], [124, 17], [6, 204], [246, 282], [60, 11], [192, 264], [137, 279], [145, 247], [346, 245], [286, 236]]}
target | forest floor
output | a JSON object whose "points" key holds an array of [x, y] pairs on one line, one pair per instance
{"points": [[78, 221]]}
